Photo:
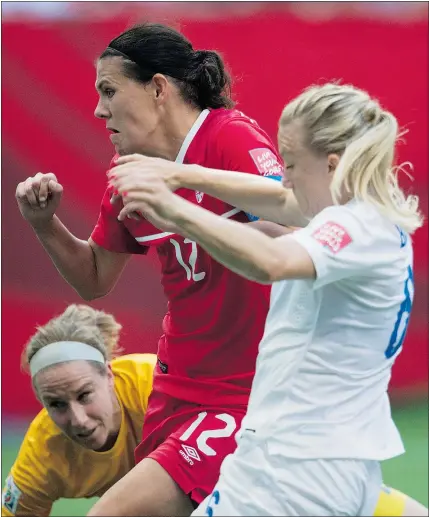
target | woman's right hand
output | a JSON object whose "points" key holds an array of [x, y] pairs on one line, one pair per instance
{"points": [[38, 198]]}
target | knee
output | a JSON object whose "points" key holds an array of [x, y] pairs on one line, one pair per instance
{"points": [[108, 507], [414, 508], [100, 510]]}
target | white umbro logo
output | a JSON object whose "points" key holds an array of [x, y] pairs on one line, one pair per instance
{"points": [[191, 452], [199, 196]]}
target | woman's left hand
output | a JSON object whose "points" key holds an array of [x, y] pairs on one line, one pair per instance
{"points": [[146, 194]]}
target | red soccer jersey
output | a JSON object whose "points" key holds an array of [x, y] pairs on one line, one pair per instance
{"points": [[215, 318]]}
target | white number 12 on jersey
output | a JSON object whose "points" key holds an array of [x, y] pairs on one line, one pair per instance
{"points": [[190, 269]]}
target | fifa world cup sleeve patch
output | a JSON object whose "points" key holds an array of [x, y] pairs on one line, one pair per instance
{"points": [[333, 236], [266, 162], [11, 495]]}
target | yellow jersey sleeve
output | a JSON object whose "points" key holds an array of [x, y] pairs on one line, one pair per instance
{"points": [[31, 486]]}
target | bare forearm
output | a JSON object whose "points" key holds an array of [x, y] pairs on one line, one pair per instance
{"points": [[263, 197], [273, 230], [239, 247], [73, 257]]}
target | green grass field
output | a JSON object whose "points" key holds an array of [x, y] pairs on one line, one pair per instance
{"points": [[408, 473]]}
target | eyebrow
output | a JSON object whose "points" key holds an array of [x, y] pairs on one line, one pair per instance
{"points": [[102, 83], [80, 390], [85, 387]]}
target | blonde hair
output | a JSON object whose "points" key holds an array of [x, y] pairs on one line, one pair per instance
{"points": [[77, 323], [345, 120]]}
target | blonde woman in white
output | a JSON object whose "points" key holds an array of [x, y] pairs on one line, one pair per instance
{"points": [[318, 423]]}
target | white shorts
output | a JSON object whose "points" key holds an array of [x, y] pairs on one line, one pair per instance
{"points": [[254, 483]]}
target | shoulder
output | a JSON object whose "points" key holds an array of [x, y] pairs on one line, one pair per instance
{"points": [[132, 365], [36, 463], [133, 373], [234, 123], [356, 220], [238, 143], [356, 234]]}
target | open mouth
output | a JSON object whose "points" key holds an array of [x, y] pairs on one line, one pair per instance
{"points": [[86, 434], [112, 130]]}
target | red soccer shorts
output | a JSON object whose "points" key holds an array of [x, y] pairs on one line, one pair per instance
{"points": [[189, 441]]}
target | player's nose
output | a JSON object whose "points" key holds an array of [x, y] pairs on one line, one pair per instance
{"points": [[286, 182], [101, 111], [78, 416]]}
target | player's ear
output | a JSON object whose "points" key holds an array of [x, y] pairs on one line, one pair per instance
{"points": [[160, 87], [35, 391], [110, 376], [333, 160]]}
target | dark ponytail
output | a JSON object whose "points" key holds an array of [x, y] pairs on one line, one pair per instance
{"points": [[209, 80]]}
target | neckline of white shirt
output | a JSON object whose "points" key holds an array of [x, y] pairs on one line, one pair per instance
{"points": [[191, 135]]}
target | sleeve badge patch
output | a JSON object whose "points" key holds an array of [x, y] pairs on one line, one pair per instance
{"points": [[266, 162], [333, 236], [11, 495]]}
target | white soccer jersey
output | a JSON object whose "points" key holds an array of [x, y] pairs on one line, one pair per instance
{"points": [[324, 364]]}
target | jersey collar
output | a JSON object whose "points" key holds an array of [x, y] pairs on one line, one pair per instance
{"points": [[190, 136]]}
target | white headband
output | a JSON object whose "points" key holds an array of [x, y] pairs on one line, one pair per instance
{"points": [[61, 352]]}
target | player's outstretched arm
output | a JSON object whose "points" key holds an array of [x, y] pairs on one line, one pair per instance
{"points": [[257, 195], [239, 247], [260, 196], [273, 230], [91, 270]]}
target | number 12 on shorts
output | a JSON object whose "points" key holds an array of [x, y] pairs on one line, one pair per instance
{"points": [[201, 441]]}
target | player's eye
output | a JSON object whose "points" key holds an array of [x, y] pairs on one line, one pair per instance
{"points": [[84, 397], [289, 167], [108, 92], [58, 405]]}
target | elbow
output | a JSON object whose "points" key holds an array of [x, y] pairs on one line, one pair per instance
{"points": [[87, 296], [269, 264], [269, 272], [275, 269], [281, 213], [93, 294], [281, 200], [282, 197]]}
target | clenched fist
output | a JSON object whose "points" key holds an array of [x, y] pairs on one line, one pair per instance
{"points": [[38, 198]]}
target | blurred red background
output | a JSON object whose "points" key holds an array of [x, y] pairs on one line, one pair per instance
{"points": [[48, 99]]}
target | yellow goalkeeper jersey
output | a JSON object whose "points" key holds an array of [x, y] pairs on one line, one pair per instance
{"points": [[50, 466]]}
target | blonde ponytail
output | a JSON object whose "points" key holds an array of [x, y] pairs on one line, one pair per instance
{"points": [[345, 120]]}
